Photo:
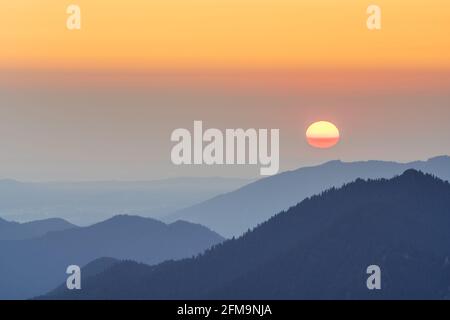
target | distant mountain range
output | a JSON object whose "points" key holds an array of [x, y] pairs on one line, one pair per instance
{"points": [[84, 203], [30, 267], [10, 230], [235, 212], [318, 249]]}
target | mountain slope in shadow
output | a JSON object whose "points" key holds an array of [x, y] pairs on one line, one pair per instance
{"points": [[92, 269], [318, 249], [234, 213], [10, 230], [30, 267]]}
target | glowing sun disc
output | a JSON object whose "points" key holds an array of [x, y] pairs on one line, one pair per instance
{"points": [[322, 134]]}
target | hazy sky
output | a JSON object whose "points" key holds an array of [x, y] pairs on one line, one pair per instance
{"points": [[101, 103]]}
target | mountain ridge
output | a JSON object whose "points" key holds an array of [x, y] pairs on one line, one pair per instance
{"points": [[11, 230], [233, 213], [317, 249], [121, 237]]}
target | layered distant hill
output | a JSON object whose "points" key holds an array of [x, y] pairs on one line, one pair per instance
{"points": [[84, 203], [233, 213], [318, 249], [30, 267], [10, 230]]}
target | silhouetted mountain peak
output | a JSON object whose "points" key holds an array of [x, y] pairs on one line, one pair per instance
{"points": [[332, 162], [11, 230], [440, 159], [417, 177], [55, 222], [414, 174], [411, 180], [127, 220]]}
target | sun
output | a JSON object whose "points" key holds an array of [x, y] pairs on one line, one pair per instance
{"points": [[323, 135]]}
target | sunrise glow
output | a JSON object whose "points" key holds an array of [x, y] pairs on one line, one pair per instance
{"points": [[322, 134]]}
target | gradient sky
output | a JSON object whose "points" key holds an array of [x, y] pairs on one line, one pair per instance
{"points": [[100, 103], [224, 33]]}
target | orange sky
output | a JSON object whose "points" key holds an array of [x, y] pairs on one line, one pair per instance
{"points": [[174, 34], [94, 104]]}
